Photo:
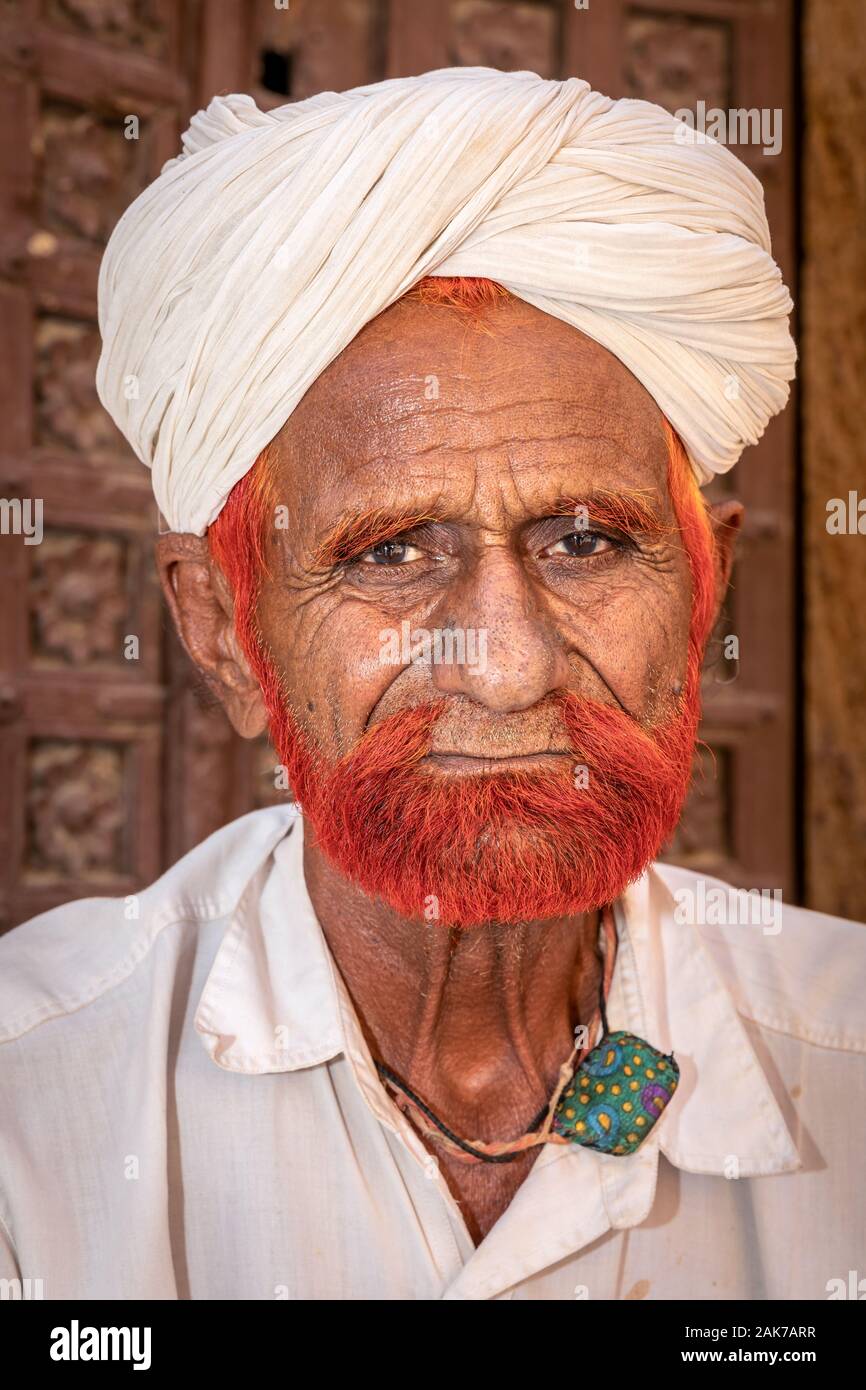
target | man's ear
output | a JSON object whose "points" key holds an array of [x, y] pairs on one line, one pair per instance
{"points": [[201, 605], [726, 519]]}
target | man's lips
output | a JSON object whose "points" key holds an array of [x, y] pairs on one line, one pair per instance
{"points": [[545, 760]]}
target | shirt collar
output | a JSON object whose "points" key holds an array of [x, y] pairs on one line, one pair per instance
{"points": [[724, 1118], [274, 1001], [270, 1002]]}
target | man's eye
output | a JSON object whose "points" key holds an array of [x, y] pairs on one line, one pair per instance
{"points": [[390, 553], [582, 544]]}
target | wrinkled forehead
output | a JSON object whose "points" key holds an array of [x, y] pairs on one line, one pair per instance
{"points": [[431, 401]]}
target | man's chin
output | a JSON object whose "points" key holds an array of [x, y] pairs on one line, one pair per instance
{"points": [[503, 878], [453, 864]]}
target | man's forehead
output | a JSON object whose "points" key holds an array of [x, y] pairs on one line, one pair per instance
{"points": [[426, 399]]}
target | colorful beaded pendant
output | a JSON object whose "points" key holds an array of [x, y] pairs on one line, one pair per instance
{"points": [[616, 1095]]}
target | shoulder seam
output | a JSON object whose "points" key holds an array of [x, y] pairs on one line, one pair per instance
{"points": [[171, 916], [790, 1028]]}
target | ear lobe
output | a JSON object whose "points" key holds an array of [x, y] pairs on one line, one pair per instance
{"points": [[726, 519], [200, 604]]}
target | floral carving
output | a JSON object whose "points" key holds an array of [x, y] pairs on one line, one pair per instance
{"points": [[78, 598], [74, 810], [677, 61], [489, 33], [139, 23], [68, 412], [90, 171]]}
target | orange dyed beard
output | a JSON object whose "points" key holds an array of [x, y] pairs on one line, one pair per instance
{"points": [[504, 847]]}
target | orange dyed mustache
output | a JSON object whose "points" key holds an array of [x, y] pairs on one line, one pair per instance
{"points": [[506, 846]]}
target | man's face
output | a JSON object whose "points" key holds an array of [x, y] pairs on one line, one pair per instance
{"points": [[505, 493]]}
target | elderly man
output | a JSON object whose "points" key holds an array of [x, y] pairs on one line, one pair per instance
{"points": [[428, 374]]}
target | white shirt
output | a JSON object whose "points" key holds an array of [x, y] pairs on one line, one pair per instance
{"points": [[188, 1109]]}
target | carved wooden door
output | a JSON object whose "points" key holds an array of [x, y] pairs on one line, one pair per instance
{"points": [[112, 760]]}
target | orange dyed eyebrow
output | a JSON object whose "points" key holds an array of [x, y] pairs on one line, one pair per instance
{"points": [[630, 512], [352, 535]]}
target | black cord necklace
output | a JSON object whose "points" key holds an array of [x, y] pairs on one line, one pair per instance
{"points": [[388, 1075]]}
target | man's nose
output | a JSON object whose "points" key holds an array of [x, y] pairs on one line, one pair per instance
{"points": [[503, 649]]}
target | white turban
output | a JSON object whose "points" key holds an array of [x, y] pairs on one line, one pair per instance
{"points": [[260, 252]]}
